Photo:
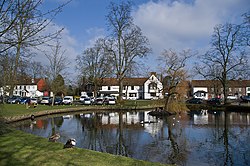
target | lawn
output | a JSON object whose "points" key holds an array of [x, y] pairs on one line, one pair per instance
{"points": [[20, 109], [9, 110], [19, 148]]}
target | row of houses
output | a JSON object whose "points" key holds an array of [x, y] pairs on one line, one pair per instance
{"points": [[142, 88], [206, 89]]}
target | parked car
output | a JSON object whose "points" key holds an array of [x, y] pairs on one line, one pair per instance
{"points": [[87, 101], [82, 98], [24, 100], [14, 100], [245, 98], [231, 97], [33, 101], [195, 101], [214, 101], [99, 101], [109, 101], [46, 100], [67, 100], [58, 101]]}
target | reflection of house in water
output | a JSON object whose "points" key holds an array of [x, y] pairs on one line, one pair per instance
{"points": [[205, 117], [67, 116], [202, 118], [134, 119]]}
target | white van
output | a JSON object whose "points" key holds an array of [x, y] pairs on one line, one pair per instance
{"points": [[68, 100]]}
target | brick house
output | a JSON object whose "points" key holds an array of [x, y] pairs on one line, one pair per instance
{"points": [[212, 88]]}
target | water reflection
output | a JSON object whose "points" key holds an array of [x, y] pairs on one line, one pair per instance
{"points": [[202, 137]]}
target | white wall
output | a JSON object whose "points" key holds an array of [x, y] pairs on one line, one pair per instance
{"points": [[195, 89], [158, 91]]}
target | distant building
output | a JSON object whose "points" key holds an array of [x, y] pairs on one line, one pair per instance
{"points": [[133, 88], [206, 89], [28, 88]]}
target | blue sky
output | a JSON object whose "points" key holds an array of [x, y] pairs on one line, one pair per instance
{"points": [[176, 24]]}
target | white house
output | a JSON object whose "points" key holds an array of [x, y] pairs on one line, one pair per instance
{"points": [[248, 91], [133, 88], [29, 89]]}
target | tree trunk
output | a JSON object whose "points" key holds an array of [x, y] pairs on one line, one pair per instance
{"points": [[120, 90], [167, 103]]}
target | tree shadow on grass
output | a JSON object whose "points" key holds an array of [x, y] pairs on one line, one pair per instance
{"points": [[3, 126]]}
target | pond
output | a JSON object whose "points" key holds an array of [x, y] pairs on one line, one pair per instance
{"points": [[199, 138]]}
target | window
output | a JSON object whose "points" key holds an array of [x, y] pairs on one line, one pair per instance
{"points": [[132, 94], [153, 94], [152, 86], [109, 88], [132, 88], [248, 89]]}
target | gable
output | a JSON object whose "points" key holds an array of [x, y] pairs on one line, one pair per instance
{"points": [[126, 82]]}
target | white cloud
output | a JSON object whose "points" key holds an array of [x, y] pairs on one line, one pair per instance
{"points": [[68, 43], [180, 25], [93, 34]]}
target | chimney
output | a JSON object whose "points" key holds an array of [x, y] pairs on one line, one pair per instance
{"points": [[153, 73]]}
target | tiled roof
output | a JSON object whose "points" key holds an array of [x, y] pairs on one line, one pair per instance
{"points": [[126, 81], [232, 83]]}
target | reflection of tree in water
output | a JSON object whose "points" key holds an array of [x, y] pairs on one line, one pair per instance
{"points": [[226, 139], [108, 137], [177, 150], [58, 121], [121, 148], [169, 145], [91, 125]]}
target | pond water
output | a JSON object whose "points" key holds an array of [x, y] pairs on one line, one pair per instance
{"points": [[200, 138]]}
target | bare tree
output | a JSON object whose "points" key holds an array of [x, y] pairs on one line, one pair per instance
{"points": [[226, 59], [36, 69], [6, 67], [94, 64], [126, 41], [7, 20], [28, 29], [173, 66], [56, 68], [246, 29]]}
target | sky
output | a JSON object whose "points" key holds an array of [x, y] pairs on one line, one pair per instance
{"points": [[175, 24]]}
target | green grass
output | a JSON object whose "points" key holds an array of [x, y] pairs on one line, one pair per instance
{"points": [[20, 109], [19, 148], [10, 110]]}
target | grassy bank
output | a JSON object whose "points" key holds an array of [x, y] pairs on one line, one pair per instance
{"points": [[19, 148], [10, 110]]}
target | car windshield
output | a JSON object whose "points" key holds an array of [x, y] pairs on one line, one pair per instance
{"points": [[45, 98], [66, 98]]}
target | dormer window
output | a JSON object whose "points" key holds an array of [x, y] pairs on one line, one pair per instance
{"points": [[152, 86]]}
